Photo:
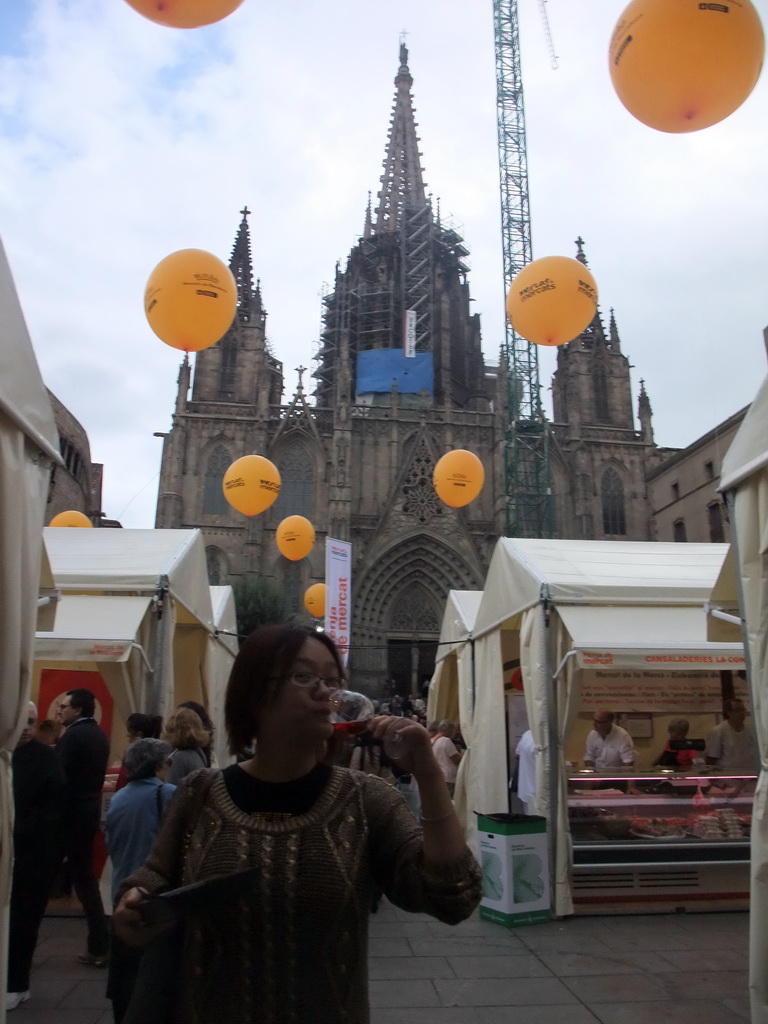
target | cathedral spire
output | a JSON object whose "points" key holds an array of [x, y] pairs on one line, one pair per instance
{"points": [[402, 183], [644, 414], [368, 226], [241, 265]]}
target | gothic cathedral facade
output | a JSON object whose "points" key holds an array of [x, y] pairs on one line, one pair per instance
{"points": [[356, 454]]}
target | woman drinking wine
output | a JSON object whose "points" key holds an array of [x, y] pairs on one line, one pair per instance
{"points": [[323, 837]]}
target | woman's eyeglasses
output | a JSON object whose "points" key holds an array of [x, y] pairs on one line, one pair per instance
{"points": [[310, 680]]}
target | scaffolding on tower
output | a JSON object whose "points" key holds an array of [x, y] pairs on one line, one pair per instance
{"points": [[527, 477]]}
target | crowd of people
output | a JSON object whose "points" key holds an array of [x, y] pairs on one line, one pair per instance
{"points": [[329, 826]]}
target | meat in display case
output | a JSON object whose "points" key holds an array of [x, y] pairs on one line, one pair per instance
{"points": [[661, 837]]}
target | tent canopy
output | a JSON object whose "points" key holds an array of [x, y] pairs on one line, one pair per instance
{"points": [[133, 562], [748, 453], [92, 628], [648, 637], [593, 572], [458, 620]]}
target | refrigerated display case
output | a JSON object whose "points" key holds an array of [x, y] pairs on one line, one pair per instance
{"points": [[660, 839]]}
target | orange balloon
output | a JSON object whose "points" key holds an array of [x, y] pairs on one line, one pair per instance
{"points": [[458, 477], [71, 518], [184, 13], [682, 65], [295, 537], [190, 299], [251, 484], [552, 300], [314, 600]]}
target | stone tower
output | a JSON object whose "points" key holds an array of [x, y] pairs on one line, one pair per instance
{"points": [[400, 379], [355, 457], [599, 460]]}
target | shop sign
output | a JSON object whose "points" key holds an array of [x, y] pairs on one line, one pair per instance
{"points": [[627, 691]]}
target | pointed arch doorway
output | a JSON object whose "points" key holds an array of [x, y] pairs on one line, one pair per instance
{"points": [[412, 634]]}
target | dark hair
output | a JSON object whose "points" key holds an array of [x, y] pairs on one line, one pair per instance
{"points": [[728, 704], [143, 757], [200, 712], [258, 675], [83, 700], [148, 726]]}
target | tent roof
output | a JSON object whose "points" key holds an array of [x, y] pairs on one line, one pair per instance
{"points": [[92, 628], [647, 637], [748, 452], [595, 572], [459, 617], [133, 561], [225, 616], [23, 397]]}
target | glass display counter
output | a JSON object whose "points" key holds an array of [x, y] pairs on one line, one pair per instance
{"points": [[661, 836]]}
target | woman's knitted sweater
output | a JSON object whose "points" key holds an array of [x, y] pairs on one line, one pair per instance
{"points": [[296, 952]]}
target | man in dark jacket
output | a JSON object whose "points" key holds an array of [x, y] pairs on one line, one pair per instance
{"points": [[83, 753], [38, 783]]}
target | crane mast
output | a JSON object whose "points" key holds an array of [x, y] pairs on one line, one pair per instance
{"points": [[527, 487]]}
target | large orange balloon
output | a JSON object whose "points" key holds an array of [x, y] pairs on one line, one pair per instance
{"points": [[682, 65], [295, 537], [314, 600], [190, 299], [251, 484], [458, 477], [552, 300], [71, 518], [184, 13]]}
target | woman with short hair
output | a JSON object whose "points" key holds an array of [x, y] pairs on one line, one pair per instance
{"points": [[322, 836], [186, 734]]}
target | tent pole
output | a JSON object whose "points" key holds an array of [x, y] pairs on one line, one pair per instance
{"points": [[553, 767]]}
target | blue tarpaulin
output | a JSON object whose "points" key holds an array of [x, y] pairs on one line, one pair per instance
{"points": [[377, 368]]}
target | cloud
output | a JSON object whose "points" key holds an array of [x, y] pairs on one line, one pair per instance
{"points": [[121, 141]]}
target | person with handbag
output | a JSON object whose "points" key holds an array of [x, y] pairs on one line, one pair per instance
{"points": [[322, 838]]}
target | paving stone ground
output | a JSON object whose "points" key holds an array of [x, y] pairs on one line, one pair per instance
{"points": [[584, 970]]}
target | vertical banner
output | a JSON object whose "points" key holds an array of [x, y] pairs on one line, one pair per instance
{"points": [[409, 333], [338, 593]]}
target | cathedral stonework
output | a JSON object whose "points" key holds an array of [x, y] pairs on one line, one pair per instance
{"points": [[400, 379]]}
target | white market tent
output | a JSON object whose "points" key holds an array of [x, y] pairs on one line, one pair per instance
{"points": [[222, 650], [29, 445], [559, 606], [136, 608], [451, 690], [744, 481]]}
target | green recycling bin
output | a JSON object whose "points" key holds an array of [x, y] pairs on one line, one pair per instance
{"points": [[514, 856]]}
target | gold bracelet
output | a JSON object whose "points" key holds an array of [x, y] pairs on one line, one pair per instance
{"points": [[431, 821]]}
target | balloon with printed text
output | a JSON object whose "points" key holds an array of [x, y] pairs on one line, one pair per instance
{"points": [[190, 299], [295, 537], [71, 518], [251, 484], [184, 13], [458, 477], [314, 600], [552, 300], [684, 65]]}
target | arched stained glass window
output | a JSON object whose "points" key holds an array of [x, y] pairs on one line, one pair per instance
{"points": [[612, 493], [216, 562], [227, 368], [296, 483], [214, 502], [292, 583]]}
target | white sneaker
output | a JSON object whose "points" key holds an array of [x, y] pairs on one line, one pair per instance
{"points": [[14, 999]]}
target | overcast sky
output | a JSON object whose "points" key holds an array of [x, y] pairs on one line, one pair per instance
{"points": [[122, 141]]}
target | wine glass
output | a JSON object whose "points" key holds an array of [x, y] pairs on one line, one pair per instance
{"points": [[351, 713]]}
